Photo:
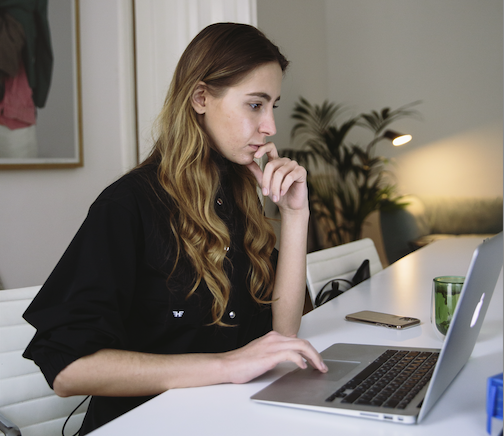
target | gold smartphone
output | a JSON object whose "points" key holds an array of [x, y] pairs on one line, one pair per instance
{"points": [[383, 319]]}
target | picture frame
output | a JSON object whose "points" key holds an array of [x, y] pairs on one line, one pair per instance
{"points": [[58, 126]]}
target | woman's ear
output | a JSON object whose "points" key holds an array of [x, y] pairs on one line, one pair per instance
{"points": [[198, 99]]}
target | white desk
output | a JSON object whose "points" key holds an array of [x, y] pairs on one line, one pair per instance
{"points": [[404, 288]]}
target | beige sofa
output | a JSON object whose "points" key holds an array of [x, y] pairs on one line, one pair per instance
{"points": [[426, 219]]}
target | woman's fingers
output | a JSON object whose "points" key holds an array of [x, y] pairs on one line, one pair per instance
{"points": [[283, 180], [265, 353], [286, 176], [278, 176], [279, 173], [270, 149]]}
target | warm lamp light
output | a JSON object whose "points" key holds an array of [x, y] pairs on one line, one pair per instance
{"points": [[397, 138]]}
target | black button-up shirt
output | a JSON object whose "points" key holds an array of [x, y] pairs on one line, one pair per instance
{"points": [[113, 289]]}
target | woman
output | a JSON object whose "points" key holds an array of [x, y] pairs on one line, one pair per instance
{"points": [[171, 280]]}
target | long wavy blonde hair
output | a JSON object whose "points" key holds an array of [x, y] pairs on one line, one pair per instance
{"points": [[220, 56]]}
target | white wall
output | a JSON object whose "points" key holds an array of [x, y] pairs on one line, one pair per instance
{"points": [[40, 210], [446, 53], [371, 54]]}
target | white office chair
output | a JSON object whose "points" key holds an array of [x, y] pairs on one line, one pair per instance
{"points": [[339, 262], [28, 406]]}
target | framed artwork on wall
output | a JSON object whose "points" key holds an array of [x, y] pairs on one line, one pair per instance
{"points": [[40, 94]]}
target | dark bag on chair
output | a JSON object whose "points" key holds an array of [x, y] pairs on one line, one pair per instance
{"points": [[360, 275]]}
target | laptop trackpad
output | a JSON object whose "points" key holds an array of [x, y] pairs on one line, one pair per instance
{"points": [[337, 370]]}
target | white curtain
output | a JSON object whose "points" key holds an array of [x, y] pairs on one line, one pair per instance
{"points": [[163, 28]]}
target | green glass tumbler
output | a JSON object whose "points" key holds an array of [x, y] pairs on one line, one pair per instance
{"points": [[445, 295]]}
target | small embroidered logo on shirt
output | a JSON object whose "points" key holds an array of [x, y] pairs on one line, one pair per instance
{"points": [[178, 313]]}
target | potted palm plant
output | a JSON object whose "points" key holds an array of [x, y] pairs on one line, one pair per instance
{"points": [[347, 182]]}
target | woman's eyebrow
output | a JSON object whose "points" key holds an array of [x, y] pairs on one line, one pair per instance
{"points": [[263, 95]]}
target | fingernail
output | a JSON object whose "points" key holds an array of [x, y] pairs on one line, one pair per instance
{"points": [[275, 198], [265, 191]]}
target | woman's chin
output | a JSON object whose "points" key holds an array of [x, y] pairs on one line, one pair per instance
{"points": [[244, 159]]}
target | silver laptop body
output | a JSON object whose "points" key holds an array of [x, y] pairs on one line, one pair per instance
{"points": [[309, 389]]}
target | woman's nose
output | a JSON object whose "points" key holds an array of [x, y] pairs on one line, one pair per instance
{"points": [[268, 126]]}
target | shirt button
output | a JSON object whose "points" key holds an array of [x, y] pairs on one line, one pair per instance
{"points": [[219, 201], [232, 314]]}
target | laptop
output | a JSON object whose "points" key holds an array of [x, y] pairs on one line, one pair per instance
{"points": [[354, 386]]}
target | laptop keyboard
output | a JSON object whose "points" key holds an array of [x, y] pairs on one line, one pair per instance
{"points": [[391, 381]]}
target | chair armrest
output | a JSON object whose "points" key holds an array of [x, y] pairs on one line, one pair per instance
{"points": [[8, 427]]}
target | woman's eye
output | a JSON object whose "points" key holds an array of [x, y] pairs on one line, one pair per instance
{"points": [[255, 106]]}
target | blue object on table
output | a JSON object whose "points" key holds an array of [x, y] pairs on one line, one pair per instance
{"points": [[494, 400]]}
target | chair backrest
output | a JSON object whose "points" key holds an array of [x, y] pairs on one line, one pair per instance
{"points": [[341, 262], [26, 399]]}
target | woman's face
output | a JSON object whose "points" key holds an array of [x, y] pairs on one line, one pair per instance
{"points": [[239, 120]]}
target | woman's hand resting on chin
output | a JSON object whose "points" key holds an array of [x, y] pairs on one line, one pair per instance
{"points": [[283, 180]]}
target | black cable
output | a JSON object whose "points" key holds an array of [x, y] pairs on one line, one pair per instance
{"points": [[325, 296], [69, 416]]}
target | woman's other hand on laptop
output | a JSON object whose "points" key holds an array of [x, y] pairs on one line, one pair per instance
{"points": [[266, 352]]}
